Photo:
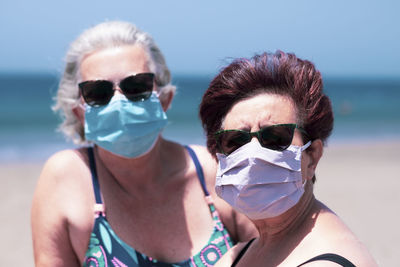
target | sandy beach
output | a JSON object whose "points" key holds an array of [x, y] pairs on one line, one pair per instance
{"points": [[359, 182]]}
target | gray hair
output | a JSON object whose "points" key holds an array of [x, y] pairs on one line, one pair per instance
{"points": [[101, 36]]}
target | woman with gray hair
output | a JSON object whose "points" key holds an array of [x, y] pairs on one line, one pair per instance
{"points": [[153, 204]]}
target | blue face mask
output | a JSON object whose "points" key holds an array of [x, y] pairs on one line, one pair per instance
{"points": [[123, 127]]}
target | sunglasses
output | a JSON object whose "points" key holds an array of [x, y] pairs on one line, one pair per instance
{"points": [[276, 137], [99, 92]]}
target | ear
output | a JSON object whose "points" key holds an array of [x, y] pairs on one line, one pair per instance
{"points": [[311, 157], [166, 100], [79, 113]]}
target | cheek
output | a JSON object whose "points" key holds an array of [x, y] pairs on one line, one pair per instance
{"points": [[304, 165]]}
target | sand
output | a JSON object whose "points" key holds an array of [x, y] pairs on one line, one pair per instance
{"points": [[361, 183]]}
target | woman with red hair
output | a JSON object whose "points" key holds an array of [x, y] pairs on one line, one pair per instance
{"points": [[267, 120]]}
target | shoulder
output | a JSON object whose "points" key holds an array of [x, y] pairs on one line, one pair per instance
{"points": [[63, 169], [62, 199], [63, 177], [66, 178], [333, 236], [63, 160], [60, 165], [203, 154], [208, 163]]}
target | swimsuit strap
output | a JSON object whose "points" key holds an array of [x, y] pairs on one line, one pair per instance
{"points": [[199, 170], [98, 206], [241, 253], [333, 258], [208, 198]]}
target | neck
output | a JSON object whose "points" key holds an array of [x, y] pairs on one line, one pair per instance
{"points": [[274, 229], [137, 173]]}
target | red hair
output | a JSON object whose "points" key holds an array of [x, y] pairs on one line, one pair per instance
{"points": [[278, 73]]}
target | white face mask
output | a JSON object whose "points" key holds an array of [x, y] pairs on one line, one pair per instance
{"points": [[259, 182]]}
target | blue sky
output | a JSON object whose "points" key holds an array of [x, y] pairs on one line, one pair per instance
{"points": [[343, 38]]}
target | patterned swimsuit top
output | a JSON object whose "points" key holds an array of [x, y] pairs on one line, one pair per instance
{"points": [[107, 249]]}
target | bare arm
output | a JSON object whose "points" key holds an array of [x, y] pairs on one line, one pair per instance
{"points": [[50, 213]]}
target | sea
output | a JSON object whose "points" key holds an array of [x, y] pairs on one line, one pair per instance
{"points": [[366, 110]]}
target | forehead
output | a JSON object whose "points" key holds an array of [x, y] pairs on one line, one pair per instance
{"points": [[261, 110], [114, 63]]}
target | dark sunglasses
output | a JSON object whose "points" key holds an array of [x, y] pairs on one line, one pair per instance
{"points": [[99, 92], [276, 137]]}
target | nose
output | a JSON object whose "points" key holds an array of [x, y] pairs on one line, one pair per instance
{"points": [[254, 137], [118, 90]]}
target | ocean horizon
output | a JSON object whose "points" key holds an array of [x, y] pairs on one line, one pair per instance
{"points": [[366, 109]]}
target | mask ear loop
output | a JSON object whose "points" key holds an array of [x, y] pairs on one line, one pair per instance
{"points": [[306, 146]]}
